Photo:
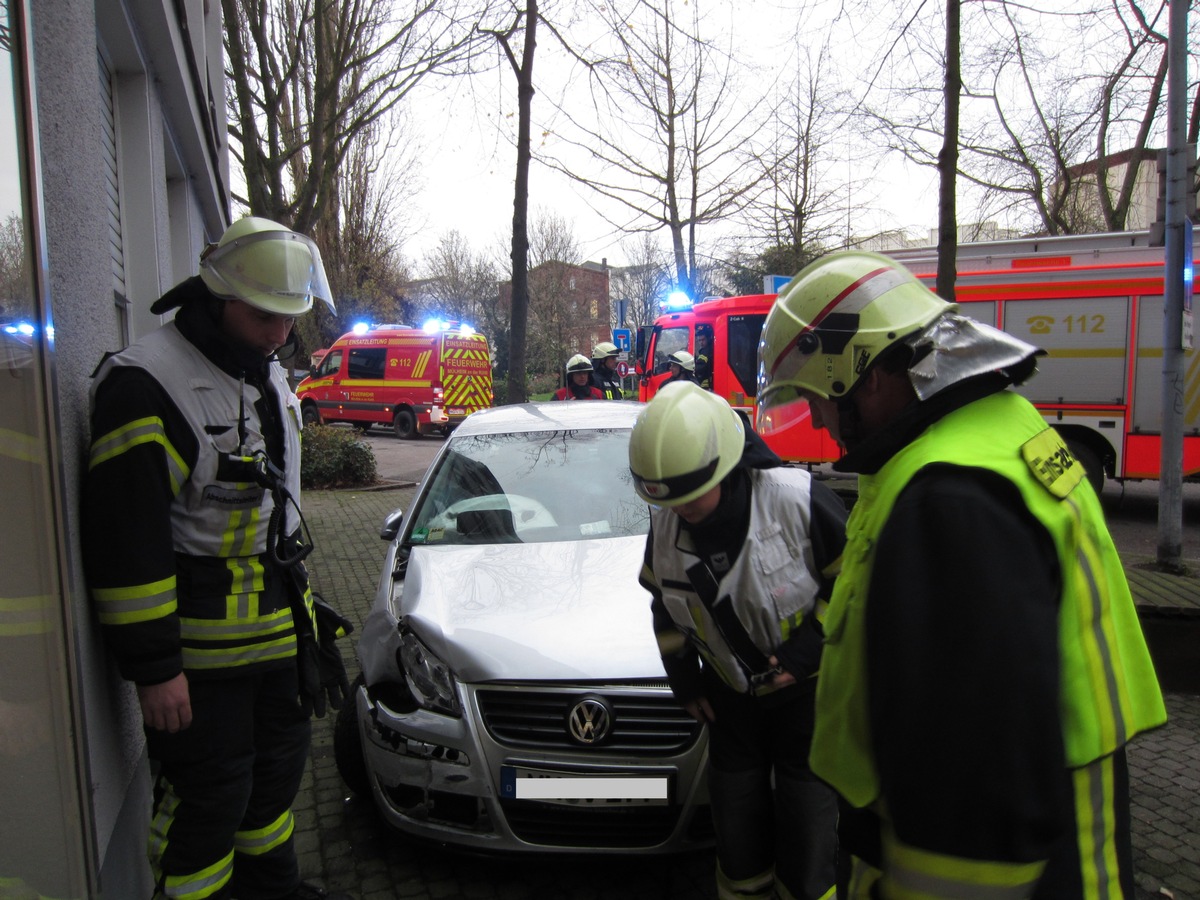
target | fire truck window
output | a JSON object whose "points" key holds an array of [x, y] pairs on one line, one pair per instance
{"points": [[330, 364], [669, 341], [704, 356], [366, 363], [742, 350]]}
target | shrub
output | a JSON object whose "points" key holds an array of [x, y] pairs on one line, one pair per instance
{"points": [[542, 384], [335, 457]]}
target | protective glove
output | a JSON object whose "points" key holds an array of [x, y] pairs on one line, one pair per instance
{"points": [[331, 625]]}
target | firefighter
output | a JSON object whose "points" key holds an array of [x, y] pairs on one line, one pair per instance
{"points": [[683, 367], [983, 667], [739, 563], [579, 381], [193, 548], [703, 359], [604, 370]]}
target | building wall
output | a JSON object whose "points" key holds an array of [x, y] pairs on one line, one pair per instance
{"points": [[164, 68]]}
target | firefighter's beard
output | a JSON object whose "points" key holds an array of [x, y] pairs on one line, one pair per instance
{"points": [[850, 430]]}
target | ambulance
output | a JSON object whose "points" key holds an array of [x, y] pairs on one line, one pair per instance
{"points": [[1093, 302], [417, 380]]}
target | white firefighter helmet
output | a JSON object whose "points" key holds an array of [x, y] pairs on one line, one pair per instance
{"points": [[684, 360], [683, 444], [578, 363], [833, 320], [268, 266], [605, 349]]}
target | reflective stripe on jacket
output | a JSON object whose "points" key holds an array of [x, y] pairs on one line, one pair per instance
{"points": [[770, 587], [230, 607], [1109, 690]]}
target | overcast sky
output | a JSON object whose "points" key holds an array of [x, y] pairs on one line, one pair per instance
{"points": [[468, 160]]}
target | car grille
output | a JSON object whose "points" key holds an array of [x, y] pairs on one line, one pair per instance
{"points": [[566, 826], [641, 724]]}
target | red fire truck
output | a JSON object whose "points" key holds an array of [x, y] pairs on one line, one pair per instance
{"points": [[1093, 302], [416, 380]]}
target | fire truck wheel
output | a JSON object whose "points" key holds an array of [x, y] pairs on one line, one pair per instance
{"points": [[405, 424], [1090, 461], [310, 415]]}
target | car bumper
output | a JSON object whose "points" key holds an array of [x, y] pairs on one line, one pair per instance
{"points": [[441, 778]]}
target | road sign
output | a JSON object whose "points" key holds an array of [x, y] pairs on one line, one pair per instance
{"points": [[773, 284], [622, 369], [623, 338]]}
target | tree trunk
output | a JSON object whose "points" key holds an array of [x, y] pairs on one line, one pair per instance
{"points": [[948, 158], [516, 392]]}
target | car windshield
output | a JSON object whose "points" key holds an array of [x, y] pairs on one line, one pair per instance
{"points": [[531, 486]]}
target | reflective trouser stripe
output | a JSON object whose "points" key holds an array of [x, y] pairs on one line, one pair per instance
{"points": [[756, 887], [911, 873], [194, 885], [1095, 818], [257, 841], [198, 885]]}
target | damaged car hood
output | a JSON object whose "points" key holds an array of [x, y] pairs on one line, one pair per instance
{"points": [[541, 612]]}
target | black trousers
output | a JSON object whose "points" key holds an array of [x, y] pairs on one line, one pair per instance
{"points": [[222, 822], [772, 815]]}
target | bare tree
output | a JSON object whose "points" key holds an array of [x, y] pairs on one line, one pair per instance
{"points": [[664, 127], [556, 308], [644, 283], [795, 214], [308, 77], [524, 26], [1050, 138]]}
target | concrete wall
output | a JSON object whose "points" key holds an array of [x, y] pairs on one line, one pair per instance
{"points": [[173, 178]]}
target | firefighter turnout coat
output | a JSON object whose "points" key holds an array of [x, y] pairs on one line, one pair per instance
{"points": [[983, 666], [178, 567], [740, 621]]}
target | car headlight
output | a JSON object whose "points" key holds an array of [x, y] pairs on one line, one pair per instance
{"points": [[430, 680]]}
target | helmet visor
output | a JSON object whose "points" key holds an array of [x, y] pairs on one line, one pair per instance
{"points": [[278, 278]]}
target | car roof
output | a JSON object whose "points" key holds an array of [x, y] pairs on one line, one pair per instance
{"points": [[552, 416]]}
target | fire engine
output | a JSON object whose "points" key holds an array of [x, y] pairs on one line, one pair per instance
{"points": [[1093, 302], [418, 380]]}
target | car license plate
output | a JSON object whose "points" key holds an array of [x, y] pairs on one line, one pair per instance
{"points": [[456, 411], [584, 788]]}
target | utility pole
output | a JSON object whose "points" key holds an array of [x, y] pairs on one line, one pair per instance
{"points": [[1177, 305]]}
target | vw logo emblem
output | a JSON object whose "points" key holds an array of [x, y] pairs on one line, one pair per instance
{"points": [[589, 721]]}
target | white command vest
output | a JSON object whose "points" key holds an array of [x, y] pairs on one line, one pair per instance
{"points": [[772, 585], [211, 517]]}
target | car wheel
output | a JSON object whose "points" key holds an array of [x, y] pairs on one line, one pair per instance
{"points": [[405, 424], [310, 415], [1090, 461], [347, 744]]}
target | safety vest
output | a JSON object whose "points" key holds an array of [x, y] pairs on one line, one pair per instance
{"points": [[1108, 688], [767, 591], [218, 512]]}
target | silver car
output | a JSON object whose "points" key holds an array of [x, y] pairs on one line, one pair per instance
{"points": [[512, 695]]}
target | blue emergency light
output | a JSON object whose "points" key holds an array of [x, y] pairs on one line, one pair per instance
{"points": [[677, 300]]}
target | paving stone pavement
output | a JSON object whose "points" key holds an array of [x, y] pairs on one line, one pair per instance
{"points": [[345, 846]]}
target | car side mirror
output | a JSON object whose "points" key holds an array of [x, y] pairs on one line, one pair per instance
{"points": [[391, 525]]}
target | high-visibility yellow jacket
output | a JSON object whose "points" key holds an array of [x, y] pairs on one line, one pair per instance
{"points": [[1107, 690]]}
